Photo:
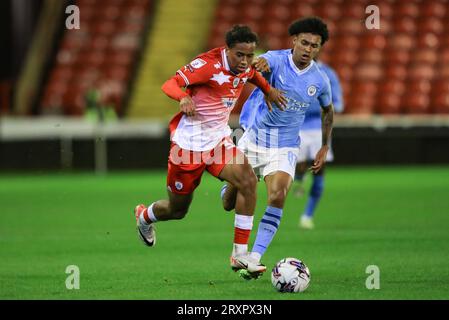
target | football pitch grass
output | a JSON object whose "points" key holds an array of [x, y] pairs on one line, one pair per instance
{"points": [[396, 218]]}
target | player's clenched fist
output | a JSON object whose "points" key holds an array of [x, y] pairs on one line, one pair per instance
{"points": [[187, 106]]}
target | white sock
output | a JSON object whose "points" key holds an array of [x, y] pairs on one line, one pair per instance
{"points": [[239, 249], [150, 215], [243, 222]]}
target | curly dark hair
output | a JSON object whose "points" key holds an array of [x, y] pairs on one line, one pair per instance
{"points": [[312, 25], [239, 34]]}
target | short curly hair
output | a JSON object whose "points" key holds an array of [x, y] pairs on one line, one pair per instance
{"points": [[312, 25], [239, 34]]}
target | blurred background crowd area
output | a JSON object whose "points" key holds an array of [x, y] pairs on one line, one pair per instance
{"points": [[125, 49]]}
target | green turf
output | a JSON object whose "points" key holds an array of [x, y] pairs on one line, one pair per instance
{"points": [[395, 218]]}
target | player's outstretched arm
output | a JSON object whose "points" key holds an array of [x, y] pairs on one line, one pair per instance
{"points": [[327, 117], [271, 94]]}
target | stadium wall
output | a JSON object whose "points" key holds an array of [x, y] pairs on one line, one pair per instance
{"points": [[60, 144]]}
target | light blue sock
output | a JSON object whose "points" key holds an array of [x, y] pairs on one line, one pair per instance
{"points": [[315, 195], [267, 229]]}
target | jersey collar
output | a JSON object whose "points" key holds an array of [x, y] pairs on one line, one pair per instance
{"points": [[297, 70], [225, 59]]}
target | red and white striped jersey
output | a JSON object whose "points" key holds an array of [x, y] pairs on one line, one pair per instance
{"points": [[214, 89]]}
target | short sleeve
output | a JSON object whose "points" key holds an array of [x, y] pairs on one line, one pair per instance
{"points": [[196, 72], [337, 94], [325, 97], [272, 59]]}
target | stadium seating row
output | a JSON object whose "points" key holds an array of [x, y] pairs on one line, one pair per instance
{"points": [[98, 56]]}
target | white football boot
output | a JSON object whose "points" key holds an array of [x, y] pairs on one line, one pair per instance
{"points": [[146, 233], [248, 267], [306, 223]]}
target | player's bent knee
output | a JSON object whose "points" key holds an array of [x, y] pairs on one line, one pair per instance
{"points": [[179, 214], [248, 184], [228, 204], [276, 198]]}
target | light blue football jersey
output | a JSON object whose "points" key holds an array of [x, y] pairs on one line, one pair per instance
{"points": [[312, 120], [278, 129]]}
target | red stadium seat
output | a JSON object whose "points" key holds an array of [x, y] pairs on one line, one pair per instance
{"points": [[392, 87], [252, 12], [425, 56], [345, 72], [431, 25], [329, 11], [419, 86], [443, 72], [346, 57], [400, 57], [404, 24], [303, 10], [372, 56], [104, 28], [226, 13], [440, 103], [349, 26], [354, 11], [401, 41], [386, 9], [279, 13], [118, 73], [61, 74], [362, 105], [346, 42], [433, 9], [406, 8], [368, 71], [440, 86], [99, 42], [421, 71], [443, 56], [73, 102], [110, 13], [364, 88], [415, 103], [376, 41], [274, 29], [86, 3], [429, 40], [389, 104], [395, 72], [92, 59]]}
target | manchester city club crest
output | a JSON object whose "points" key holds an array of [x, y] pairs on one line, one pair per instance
{"points": [[235, 83], [311, 90]]}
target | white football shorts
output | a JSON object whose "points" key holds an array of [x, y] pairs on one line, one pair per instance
{"points": [[266, 161]]}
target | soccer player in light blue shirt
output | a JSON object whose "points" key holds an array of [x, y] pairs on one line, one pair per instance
{"points": [[271, 139], [310, 144]]}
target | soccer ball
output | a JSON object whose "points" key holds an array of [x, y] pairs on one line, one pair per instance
{"points": [[290, 275]]}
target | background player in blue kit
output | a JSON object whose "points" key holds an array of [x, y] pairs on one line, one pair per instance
{"points": [[310, 136], [271, 139]]}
